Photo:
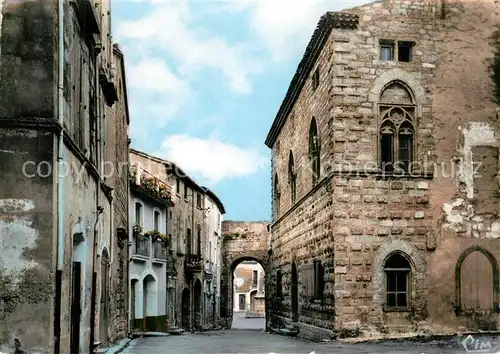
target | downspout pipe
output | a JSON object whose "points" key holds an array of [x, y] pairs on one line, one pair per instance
{"points": [[60, 181], [61, 153]]}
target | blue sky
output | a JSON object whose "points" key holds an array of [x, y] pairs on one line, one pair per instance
{"points": [[205, 81]]}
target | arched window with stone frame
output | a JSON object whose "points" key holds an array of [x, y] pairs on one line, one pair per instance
{"points": [[397, 271], [292, 178], [397, 122], [277, 196], [314, 151]]}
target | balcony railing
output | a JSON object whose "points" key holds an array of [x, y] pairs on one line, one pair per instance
{"points": [[142, 245], [192, 263], [151, 184], [159, 249]]}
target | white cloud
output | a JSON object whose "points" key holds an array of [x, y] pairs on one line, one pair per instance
{"points": [[211, 158], [157, 95], [286, 26], [173, 28]]}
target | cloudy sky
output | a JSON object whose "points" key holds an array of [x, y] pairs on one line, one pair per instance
{"points": [[205, 81]]}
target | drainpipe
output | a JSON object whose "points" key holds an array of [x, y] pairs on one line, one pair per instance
{"points": [[60, 180], [99, 211]]}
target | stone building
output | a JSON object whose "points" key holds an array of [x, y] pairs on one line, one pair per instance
{"points": [[187, 232], [213, 251], [64, 193], [248, 292], [385, 163], [150, 202]]}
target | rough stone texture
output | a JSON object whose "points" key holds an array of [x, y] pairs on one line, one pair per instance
{"points": [[29, 130], [241, 241], [355, 217]]}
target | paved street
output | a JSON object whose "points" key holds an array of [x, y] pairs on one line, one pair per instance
{"points": [[240, 322], [256, 342]]}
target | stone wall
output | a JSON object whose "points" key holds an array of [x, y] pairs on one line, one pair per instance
{"points": [[241, 241], [357, 216]]}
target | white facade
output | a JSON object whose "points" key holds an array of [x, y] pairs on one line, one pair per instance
{"points": [[147, 273], [214, 213]]}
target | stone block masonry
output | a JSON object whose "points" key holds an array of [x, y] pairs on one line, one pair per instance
{"points": [[391, 81]]}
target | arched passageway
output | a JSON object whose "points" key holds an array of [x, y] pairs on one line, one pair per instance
{"points": [[248, 295], [186, 299]]}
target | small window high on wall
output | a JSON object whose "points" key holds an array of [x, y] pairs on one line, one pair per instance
{"points": [[138, 213], [157, 220]]}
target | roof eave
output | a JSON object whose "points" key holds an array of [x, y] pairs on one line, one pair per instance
{"points": [[325, 25]]}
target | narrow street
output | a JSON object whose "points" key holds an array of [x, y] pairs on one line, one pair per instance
{"points": [[255, 341]]}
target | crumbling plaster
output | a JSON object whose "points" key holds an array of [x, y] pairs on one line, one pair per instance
{"points": [[459, 213]]}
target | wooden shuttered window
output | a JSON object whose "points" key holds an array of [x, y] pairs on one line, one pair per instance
{"points": [[313, 280]]}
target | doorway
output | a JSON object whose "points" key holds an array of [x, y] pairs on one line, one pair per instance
{"points": [[197, 305], [295, 294], [185, 309], [76, 309], [104, 308]]}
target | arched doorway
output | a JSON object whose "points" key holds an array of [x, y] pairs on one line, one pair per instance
{"points": [[253, 305], [185, 309], [247, 294], [197, 305], [104, 307], [295, 294], [149, 301]]}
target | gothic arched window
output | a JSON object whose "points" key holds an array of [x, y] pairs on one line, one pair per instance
{"points": [[292, 178], [397, 128], [314, 151]]}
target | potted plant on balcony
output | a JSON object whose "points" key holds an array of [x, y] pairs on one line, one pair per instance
{"points": [[137, 229]]}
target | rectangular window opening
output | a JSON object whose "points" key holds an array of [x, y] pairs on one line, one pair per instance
{"points": [[397, 289], [405, 51], [405, 152], [255, 278], [386, 50]]}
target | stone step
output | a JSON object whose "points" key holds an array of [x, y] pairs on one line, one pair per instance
{"points": [[176, 331]]}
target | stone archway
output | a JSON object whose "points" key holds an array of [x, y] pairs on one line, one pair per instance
{"points": [[242, 241]]}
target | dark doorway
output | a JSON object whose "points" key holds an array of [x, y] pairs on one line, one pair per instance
{"points": [[295, 294], [197, 305], [104, 308], [76, 308], [133, 284], [185, 309]]}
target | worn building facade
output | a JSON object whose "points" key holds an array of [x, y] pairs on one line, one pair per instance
{"points": [[385, 162], [214, 215], [188, 228], [64, 220], [249, 288], [150, 202]]}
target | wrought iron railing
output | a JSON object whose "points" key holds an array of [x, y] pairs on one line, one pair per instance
{"points": [[142, 245], [151, 183], [192, 263], [160, 249]]}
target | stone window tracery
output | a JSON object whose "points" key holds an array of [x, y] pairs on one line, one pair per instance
{"points": [[314, 151], [396, 129]]}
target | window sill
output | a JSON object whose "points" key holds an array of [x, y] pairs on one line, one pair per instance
{"points": [[396, 309]]}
